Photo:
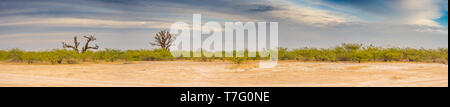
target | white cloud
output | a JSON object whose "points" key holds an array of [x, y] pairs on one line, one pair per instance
{"points": [[25, 35], [308, 16], [419, 12]]}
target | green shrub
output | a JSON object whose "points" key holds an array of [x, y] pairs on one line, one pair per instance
{"points": [[139, 55], [29, 57], [238, 60], [3, 55], [162, 54], [15, 55], [362, 56], [109, 55], [392, 54], [284, 54], [59, 56], [88, 56], [351, 47], [346, 52]]}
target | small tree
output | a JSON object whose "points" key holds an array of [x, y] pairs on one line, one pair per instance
{"points": [[163, 39], [362, 56], [85, 47]]}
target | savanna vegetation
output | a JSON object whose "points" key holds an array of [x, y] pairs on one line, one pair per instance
{"points": [[72, 57], [344, 53], [360, 53]]}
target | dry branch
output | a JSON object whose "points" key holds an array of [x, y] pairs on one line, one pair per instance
{"points": [[85, 47], [163, 39], [74, 47]]}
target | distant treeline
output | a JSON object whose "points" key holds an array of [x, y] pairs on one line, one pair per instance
{"points": [[359, 53], [345, 52]]}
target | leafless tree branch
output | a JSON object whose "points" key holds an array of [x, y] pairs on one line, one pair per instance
{"points": [[85, 47], [163, 39], [74, 47]]}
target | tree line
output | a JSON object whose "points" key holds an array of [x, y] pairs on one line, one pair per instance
{"points": [[343, 53], [360, 53]]}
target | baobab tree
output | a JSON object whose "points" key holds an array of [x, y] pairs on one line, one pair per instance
{"points": [[85, 47], [75, 46], [163, 39]]}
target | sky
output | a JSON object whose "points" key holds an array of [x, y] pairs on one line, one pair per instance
{"points": [[131, 24]]}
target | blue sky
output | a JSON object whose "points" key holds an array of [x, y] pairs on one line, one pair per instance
{"points": [[130, 24], [443, 20]]}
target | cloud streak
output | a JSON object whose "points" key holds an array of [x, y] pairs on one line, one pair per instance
{"points": [[80, 22]]}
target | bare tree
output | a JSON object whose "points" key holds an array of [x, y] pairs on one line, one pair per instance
{"points": [[86, 46], [163, 39], [74, 47]]}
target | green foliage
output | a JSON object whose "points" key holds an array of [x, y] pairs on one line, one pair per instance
{"points": [[138, 55], [359, 53], [72, 57], [238, 60], [15, 55], [346, 52], [3, 55], [362, 56], [147, 55], [351, 47], [392, 54], [29, 57], [162, 54], [284, 54], [109, 55], [88, 56], [58, 56]]}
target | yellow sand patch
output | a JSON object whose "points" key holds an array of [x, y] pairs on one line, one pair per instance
{"points": [[356, 67], [396, 77], [245, 67]]}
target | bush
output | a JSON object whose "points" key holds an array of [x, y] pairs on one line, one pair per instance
{"points": [[136, 55], [29, 57], [346, 52], [162, 54], [238, 60], [351, 47], [87, 56], [58, 56], [3, 55], [15, 55], [359, 53], [284, 54], [109, 55], [362, 56], [392, 55]]}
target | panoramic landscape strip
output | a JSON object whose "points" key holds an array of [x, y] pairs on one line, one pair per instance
{"points": [[224, 43]]}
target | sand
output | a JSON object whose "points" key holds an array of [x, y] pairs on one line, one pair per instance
{"points": [[224, 74]]}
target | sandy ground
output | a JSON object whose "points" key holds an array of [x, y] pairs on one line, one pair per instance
{"points": [[200, 74]]}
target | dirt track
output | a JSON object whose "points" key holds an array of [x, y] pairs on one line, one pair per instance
{"points": [[186, 73]]}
